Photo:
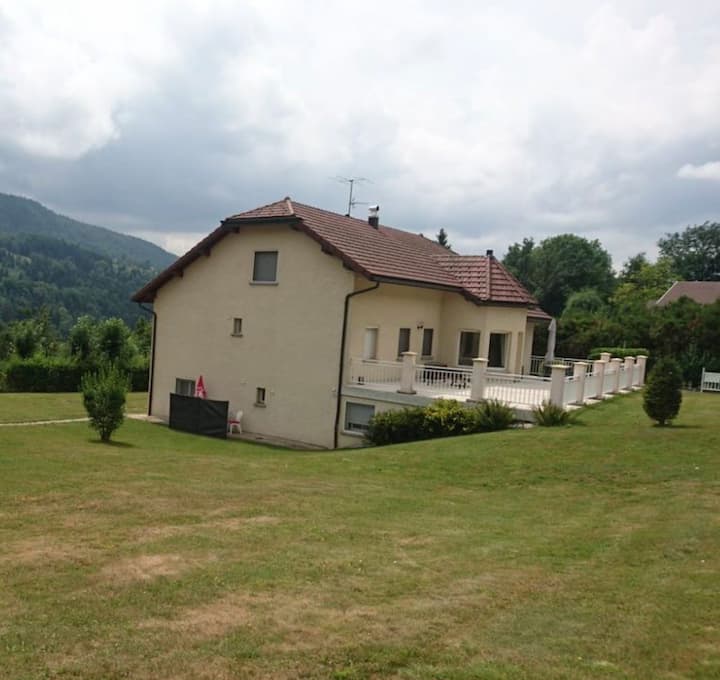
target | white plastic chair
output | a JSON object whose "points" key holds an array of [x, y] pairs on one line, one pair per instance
{"points": [[235, 424]]}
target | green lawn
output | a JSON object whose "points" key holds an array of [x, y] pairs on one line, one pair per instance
{"points": [[26, 407], [591, 551]]}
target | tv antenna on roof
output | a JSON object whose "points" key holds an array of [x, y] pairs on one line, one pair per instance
{"points": [[351, 181]]}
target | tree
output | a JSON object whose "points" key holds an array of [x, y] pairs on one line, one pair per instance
{"points": [[695, 253], [104, 394], [82, 338], [663, 397], [442, 239], [560, 266], [518, 261], [114, 341]]}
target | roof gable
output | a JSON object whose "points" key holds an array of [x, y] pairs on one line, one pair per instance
{"points": [[381, 253], [702, 292]]}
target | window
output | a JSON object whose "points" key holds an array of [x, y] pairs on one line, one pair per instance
{"points": [[357, 417], [497, 350], [427, 346], [370, 343], [185, 387], [469, 347], [404, 341], [260, 396], [265, 267], [237, 326]]}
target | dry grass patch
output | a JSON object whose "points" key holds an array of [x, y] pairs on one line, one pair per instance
{"points": [[149, 567], [42, 549]]}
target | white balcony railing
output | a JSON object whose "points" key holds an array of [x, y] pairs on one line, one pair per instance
{"points": [[407, 377]]}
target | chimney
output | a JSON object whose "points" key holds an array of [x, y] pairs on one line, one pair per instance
{"points": [[373, 216], [489, 253]]}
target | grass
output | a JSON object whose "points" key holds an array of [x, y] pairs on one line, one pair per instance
{"points": [[588, 551], [28, 407]]}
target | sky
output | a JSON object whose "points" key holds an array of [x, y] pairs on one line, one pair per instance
{"points": [[494, 120]]}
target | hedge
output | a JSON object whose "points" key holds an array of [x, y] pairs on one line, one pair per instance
{"points": [[618, 352], [57, 374]]}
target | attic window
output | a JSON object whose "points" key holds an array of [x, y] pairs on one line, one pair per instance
{"points": [[265, 266]]}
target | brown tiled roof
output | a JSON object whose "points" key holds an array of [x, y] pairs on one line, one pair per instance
{"points": [[704, 292], [381, 253]]}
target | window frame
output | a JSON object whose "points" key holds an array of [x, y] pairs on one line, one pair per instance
{"points": [[185, 382], [237, 327], [401, 332], [355, 428], [261, 396], [429, 354], [504, 350], [264, 282], [460, 356], [375, 330]]}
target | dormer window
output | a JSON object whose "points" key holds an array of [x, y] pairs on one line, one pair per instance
{"points": [[265, 266]]}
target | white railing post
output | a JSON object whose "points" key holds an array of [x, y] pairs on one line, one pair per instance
{"points": [[407, 373], [616, 378], [579, 372], [606, 356], [642, 362], [599, 372], [629, 366], [557, 384], [477, 383]]}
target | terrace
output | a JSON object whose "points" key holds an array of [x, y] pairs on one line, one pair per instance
{"points": [[569, 383]]}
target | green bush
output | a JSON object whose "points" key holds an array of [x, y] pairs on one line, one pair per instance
{"points": [[60, 374], [104, 393], [551, 415], [489, 416], [662, 397], [442, 418], [618, 352]]}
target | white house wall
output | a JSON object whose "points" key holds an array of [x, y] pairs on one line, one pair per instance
{"points": [[290, 333]]}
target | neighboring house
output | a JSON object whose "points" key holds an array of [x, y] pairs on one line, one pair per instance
{"points": [[702, 292], [275, 305]]}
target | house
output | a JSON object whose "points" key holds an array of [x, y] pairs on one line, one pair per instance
{"points": [[287, 309], [702, 292]]}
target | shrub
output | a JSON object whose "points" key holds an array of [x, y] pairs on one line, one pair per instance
{"points": [[551, 415], [42, 374], [662, 397], [104, 393], [445, 418], [489, 416], [619, 352], [395, 427]]}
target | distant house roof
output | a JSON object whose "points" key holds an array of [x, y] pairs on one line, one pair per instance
{"points": [[704, 292], [380, 254]]}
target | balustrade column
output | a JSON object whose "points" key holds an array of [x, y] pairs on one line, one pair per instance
{"points": [[407, 373], [579, 372], [477, 383], [629, 366], [606, 356], [599, 372], [616, 363], [557, 384], [642, 362]]}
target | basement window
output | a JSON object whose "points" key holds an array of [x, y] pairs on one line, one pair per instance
{"points": [[185, 387], [357, 417]]}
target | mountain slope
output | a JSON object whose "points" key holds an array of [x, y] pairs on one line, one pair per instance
{"points": [[38, 271], [20, 216]]}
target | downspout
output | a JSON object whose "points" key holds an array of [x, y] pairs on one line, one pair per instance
{"points": [[152, 354], [342, 357]]}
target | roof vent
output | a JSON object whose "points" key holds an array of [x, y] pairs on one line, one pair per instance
{"points": [[374, 216], [489, 252]]}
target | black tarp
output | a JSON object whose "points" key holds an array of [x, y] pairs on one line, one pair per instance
{"points": [[199, 416]]}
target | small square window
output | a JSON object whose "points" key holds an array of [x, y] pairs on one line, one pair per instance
{"points": [[260, 396], [237, 326], [185, 387], [357, 417], [265, 267]]}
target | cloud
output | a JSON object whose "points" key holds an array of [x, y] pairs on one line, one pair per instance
{"points": [[709, 171]]}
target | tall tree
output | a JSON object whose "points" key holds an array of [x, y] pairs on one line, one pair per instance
{"points": [[695, 253], [442, 239], [518, 260]]}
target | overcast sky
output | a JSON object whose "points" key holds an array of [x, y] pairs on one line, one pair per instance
{"points": [[494, 120]]}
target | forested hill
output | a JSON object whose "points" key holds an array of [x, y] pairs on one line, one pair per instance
{"points": [[69, 281], [21, 216]]}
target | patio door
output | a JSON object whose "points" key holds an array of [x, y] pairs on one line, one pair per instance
{"points": [[370, 343], [469, 347]]}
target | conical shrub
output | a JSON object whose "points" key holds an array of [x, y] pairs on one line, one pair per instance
{"points": [[662, 396]]}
